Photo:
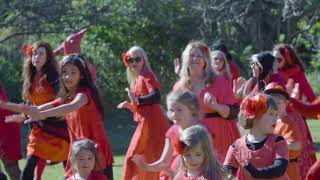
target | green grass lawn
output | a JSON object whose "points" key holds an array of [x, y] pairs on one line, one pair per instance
{"points": [[120, 129]]}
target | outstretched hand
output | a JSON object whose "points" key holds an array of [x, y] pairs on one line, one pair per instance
{"points": [[15, 118], [131, 96]]}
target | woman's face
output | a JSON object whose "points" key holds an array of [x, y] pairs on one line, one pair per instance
{"points": [[196, 60], [280, 59], [218, 62], [39, 58], [135, 61], [71, 76]]}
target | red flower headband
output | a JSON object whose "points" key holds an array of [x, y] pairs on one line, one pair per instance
{"points": [[287, 56], [179, 146], [27, 49], [125, 58], [254, 106]]}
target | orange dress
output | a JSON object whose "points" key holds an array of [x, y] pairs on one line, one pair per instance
{"points": [[289, 129], [87, 123], [149, 136], [42, 144], [223, 131]]}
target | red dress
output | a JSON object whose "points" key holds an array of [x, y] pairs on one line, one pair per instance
{"points": [[223, 131], [42, 144], [289, 129], [174, 161], [240, 155], [298, 76], [86, 122], [184, 176], [149, 136], [10, 134], [92, 176]]}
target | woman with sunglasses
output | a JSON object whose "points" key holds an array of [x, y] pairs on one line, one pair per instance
{"points": [[290, 66], [144, 93]]}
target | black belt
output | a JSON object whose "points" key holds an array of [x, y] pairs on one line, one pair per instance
{"points": [[212, 115], [293, 160]]}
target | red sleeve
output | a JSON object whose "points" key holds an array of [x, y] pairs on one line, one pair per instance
{"points": [[291, 131], [151, 82], [307, 110], [230, 159], [305, 87], [287, 73], [281, 150], [235, 71]]}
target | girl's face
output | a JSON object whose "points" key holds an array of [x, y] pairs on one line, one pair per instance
{"points": [[70, 76], [85, 162], [282, 105], [196, 61], [218, 62], [180, 114], [267, 122], [39, 58], [194, 159], [136, 62], [255, 69], [280, 59]]}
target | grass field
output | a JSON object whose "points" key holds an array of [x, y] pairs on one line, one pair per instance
{"points": [[120, 128]]}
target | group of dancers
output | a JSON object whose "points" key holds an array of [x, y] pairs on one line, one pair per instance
{"points": [[218, 125]]}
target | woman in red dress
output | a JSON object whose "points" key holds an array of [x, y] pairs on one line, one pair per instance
{"points": [[290, 66], [47, 141], [214, 93], [144, 93], [10, 141]]}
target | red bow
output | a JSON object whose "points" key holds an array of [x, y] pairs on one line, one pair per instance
{"points": [[27, 49], [125, 58], [179, 146], [254, 106]]}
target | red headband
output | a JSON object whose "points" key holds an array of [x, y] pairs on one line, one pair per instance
{"points": [[179, 146], [27, 49], [287, 56], [254, 106], [125, 58]]}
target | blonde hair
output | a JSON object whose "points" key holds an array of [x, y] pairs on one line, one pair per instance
{"points": [[208, 73], [186, 98], [226, 67], [131, 75], [194, 136]]}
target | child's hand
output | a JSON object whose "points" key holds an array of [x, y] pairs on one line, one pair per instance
{"points": [[132, 97], [124, 104], [139, 161], [238, 86], [209, 99], [15, 118]]}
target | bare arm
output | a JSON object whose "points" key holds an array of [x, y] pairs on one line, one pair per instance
{"points": [[159, 164], [10, 106]]}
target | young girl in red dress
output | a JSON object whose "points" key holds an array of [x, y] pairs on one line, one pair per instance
{"points": [[47, 141], [290, 66], [183, 111], [144, 93], [84, 156], [260, 154], [214, 93], [197, 157], [10, 141], [82, 108]]}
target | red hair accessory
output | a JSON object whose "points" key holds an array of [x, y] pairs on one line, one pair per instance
{"points": [[71, 45], [27, 49], [254, 106], [98, 147], [287, 56], [125, 58], [179, 146]]}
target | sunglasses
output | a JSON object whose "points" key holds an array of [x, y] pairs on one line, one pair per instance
{"points": [[136, 59]]}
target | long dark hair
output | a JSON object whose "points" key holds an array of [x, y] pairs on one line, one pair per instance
{"points": [[85, 81], [49, 70]]}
